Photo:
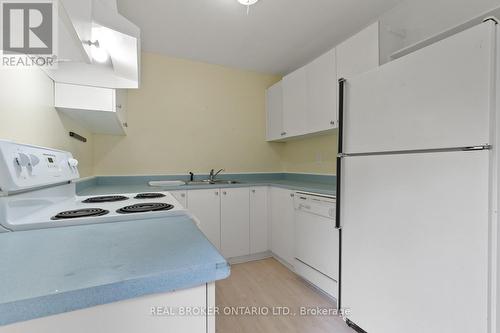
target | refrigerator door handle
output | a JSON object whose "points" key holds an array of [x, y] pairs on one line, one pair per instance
{"points": [[419, 151], [474, 148], [340, 151], [342, 82], [338, 223]]}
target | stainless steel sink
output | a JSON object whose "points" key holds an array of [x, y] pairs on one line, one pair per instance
{"points": [[212, 182], [225, 182], [198, 182]]}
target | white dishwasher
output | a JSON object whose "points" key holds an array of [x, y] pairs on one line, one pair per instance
{"points": [[317, 240]]}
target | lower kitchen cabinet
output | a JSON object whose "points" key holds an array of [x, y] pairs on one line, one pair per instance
{"points": [[180, 196], [205, 205], [259, 226], [282, 224], [235, 222]]}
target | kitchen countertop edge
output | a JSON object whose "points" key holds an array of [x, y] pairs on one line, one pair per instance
{"points": [[44, 306], [188, 275]]}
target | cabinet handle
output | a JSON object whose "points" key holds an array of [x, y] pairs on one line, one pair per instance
{"points": [[292, 195], [253, 191], [216, 193], [224, 192], [183, 195], [125, 124], [332, 123], [119, 106], [283, 133]]}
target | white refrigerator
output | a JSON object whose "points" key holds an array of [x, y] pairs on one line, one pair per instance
{"points": [[418, 190]]}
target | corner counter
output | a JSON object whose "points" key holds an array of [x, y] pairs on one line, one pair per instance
{"points": [[102, 185], [50, 272]]}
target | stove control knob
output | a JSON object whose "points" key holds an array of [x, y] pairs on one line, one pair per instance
{"points": [[34, 160], [22, 160], [72, 162]]}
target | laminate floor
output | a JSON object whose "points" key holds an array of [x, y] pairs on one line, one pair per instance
{"points": [[258, 295]]}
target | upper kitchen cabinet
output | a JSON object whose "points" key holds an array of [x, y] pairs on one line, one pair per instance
{"points": [[295, 103], [274, 109], [309, 103], [97, 46], [310, 98], [359, 54], [321, 113], [100, 110], [74, 25]]}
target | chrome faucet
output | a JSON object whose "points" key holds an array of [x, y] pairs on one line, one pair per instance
{"points": [[214, 174]]}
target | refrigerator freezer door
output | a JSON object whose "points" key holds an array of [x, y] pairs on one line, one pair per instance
{"points": [[437, 97], [415, 242]]}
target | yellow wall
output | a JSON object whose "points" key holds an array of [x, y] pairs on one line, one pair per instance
{"points": [[27, 115], [191, 116], [187, 116], [311, 155]]}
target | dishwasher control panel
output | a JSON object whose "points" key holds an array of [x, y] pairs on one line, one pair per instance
{"points": [[316, 204]]}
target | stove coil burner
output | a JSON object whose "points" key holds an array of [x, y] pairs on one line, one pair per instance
{"points": [[149, 195], [145, 207], [73, 214], [107, 198]]}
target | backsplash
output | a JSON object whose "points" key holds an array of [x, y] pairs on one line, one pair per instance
{"points": [[86, 183]]}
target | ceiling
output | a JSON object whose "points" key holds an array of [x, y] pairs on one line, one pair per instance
{"points": [[277, 36]]}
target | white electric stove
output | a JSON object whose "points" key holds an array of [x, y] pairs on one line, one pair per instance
{"points": [[37, 192]]}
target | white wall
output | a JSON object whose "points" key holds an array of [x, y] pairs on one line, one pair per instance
{"points": [[27, 115], [416, 20]]}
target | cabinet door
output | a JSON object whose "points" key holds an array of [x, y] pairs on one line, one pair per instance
{"points": [[282, 224], [71, 96], [274, 110], [180, 196], [121, 105], [322, 93], [80, 15], [259, 220], [205, 205], [294, 103], [94, 108], [235, 222], [359, 54]]}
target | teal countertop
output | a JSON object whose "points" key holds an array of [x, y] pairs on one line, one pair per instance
{"points": [[321, 184], [51, 271]]}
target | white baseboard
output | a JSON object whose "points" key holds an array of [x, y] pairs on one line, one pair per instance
{"points": [[249, 258], [283, 262]]}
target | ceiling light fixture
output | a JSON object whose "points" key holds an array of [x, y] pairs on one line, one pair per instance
{"points": [[248, 3]]}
